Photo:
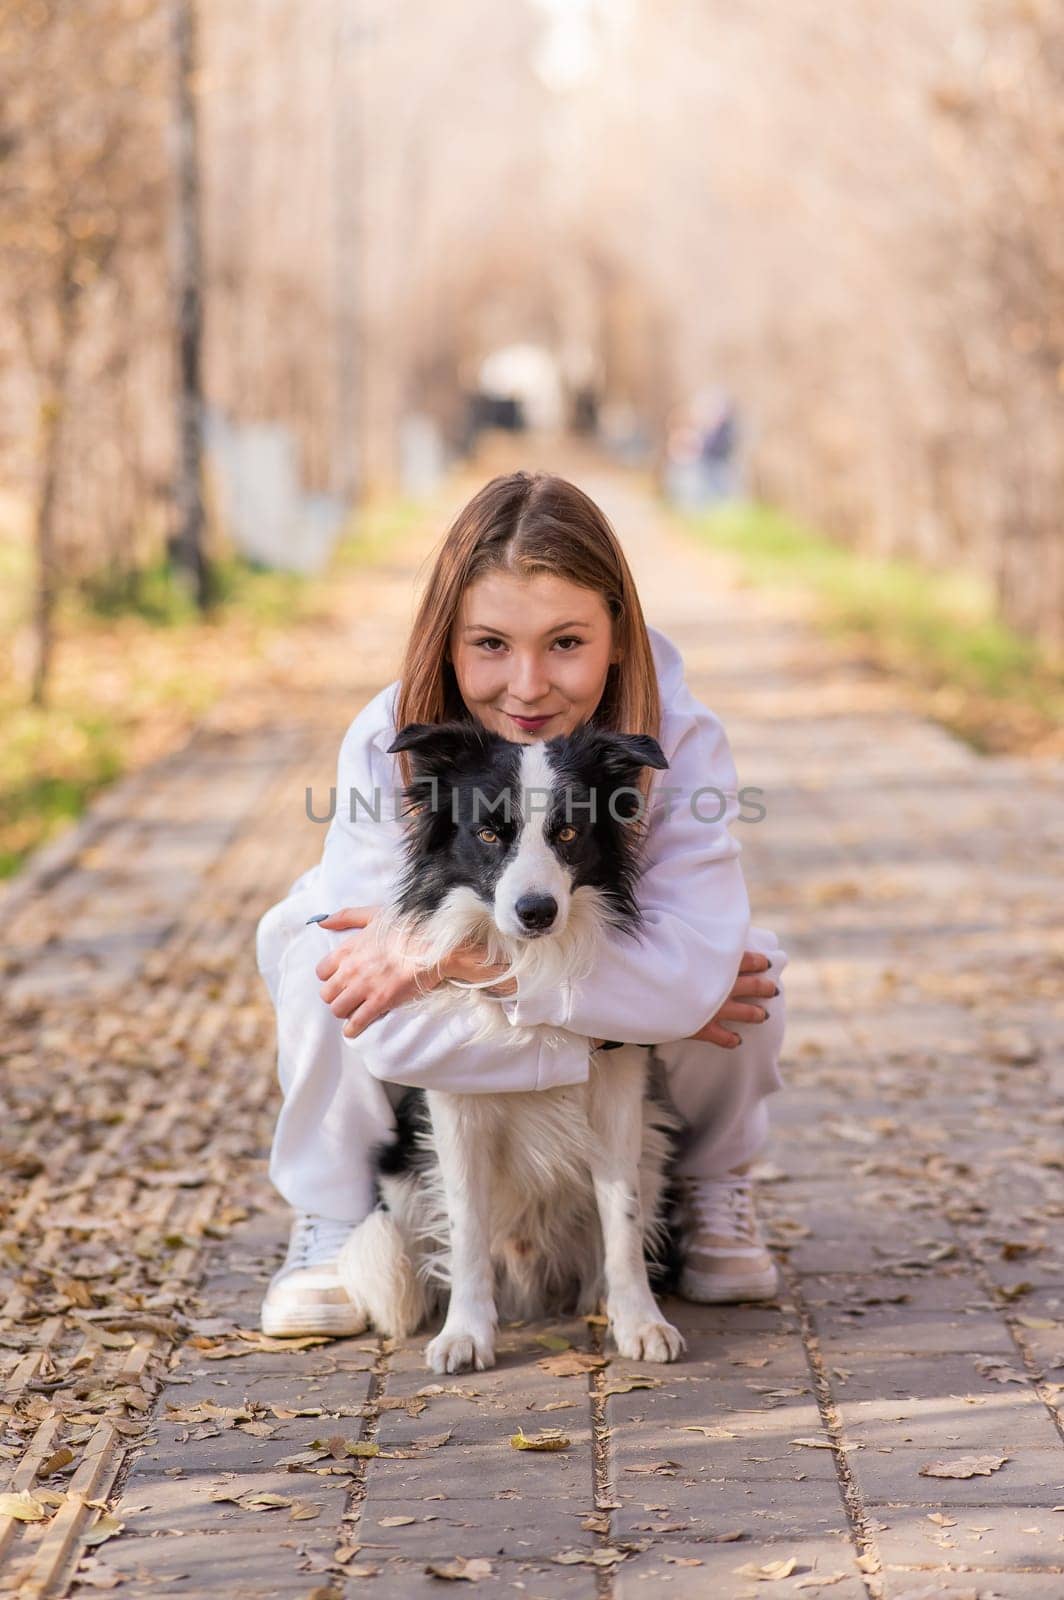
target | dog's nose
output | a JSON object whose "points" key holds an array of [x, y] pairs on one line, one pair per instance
{"points": [[537, 910]]}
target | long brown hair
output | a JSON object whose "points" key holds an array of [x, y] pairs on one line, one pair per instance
{"points": [[527, 523]]}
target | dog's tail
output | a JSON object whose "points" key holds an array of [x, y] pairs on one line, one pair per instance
{"points": [[376, 1270]]}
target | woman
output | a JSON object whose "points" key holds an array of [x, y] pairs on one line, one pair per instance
{"points": [[530, 625]]}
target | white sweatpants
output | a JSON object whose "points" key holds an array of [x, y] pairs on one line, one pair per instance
{"points": [[335, 1113]]}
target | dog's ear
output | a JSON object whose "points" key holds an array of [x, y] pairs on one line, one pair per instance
{"points": [[618, 755], [434, 746], [639, 749]]}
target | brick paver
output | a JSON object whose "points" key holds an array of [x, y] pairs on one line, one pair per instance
{"points": [[913, 1188]]}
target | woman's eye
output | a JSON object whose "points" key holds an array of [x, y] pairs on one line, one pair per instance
{"points": [[482, 642], [487, 836], [566, 835], [568, 639]]}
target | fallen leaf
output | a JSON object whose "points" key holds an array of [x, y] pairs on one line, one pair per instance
{"points": [[595, 1524], [998, 1371], [303, 1458], [549, 1439], [964, 1467], [813, 1444], [110, 1341], [412, 1404], [105, 1527], [62, 1458], [554, 1341], [605, 1556], [633, 1381], [684, 1561], [470, 1569], [395, 1522], [255, 1500], [22, 1506], [571, 1364], [303, 1511], [433, 1441], [249, 1342], [819, 1580], [770, 1572]]}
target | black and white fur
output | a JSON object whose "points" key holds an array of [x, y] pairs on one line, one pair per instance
{"points": [[523, 1203]]}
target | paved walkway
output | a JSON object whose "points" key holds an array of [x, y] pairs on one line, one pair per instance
{"points": [[892, 1428]]}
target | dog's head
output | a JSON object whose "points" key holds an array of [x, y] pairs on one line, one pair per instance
{"points": [[524, 826]]}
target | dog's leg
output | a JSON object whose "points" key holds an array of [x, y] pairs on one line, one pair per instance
{"points": [[616, 1113], [467, 1338]]}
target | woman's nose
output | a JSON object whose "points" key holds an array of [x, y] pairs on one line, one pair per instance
{"points": [[530, 681]]}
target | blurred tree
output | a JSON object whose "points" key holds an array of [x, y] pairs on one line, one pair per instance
{"points": [[187, 543], [78, 183]]}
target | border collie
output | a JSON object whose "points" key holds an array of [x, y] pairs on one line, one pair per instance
{"points": [[526, 1203]]}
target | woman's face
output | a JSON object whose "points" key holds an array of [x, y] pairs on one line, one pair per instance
{"points": [[531, 654]]}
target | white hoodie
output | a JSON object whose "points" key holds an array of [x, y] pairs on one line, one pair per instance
{"points": [[661, 985]]}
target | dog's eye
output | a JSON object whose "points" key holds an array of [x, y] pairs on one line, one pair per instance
{"points": [[487, 836], [566, 835]]}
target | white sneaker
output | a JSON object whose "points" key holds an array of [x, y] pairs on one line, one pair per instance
{"points": [[724, 1254], [305, 1295]]}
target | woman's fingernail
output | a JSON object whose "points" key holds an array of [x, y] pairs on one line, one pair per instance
{"points": [[322, 917], [776, 990]]}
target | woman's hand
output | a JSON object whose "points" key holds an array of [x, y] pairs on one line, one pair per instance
{"points": [[740, 1006], [470, 964], [361, 982]]}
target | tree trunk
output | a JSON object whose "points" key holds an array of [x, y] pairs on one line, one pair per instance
{"points": [[44, 539], [187, 542], [53, 423]]}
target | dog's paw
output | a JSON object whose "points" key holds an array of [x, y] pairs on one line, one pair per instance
{"points": [[455, 1350], [649, 1341]]}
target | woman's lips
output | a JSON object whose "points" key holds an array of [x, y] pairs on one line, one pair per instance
{"points": [[529, 723]]}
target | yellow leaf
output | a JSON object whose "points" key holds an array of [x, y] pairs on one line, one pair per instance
{"points": [[554, 1341], [549, 1439], [22, 1507]]}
